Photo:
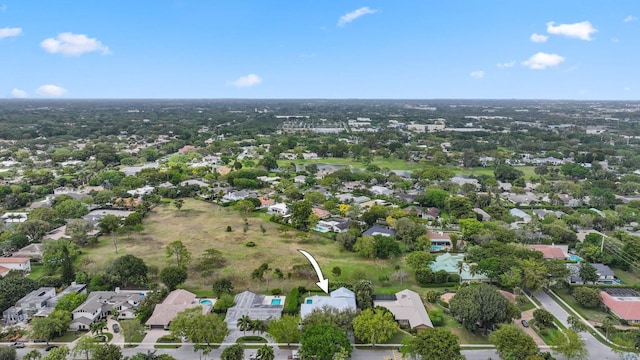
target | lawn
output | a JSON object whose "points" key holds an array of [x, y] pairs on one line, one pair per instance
{"points": [[167, 342], [201, 225], [37, 271], [627, 277], [68, 336], [392, 164], [595, 314], [451, 324]]}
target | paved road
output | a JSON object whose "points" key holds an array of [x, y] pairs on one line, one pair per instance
{"points": [[596, 349]]}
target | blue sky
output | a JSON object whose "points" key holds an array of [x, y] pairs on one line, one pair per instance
{"points": [[411, 49]]}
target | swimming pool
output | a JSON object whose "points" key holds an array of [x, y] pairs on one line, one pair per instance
{"points": [[575, 258], [321, 229], [436, 248], [206, 302], [309, 301], [276, 301]]}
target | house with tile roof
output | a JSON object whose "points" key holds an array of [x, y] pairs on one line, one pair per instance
{"points": [[449, 263], [551, 252], [16, 263], [623, 303], [177, 301], [407, 308]]}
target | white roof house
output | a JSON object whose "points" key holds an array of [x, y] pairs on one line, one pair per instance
{"points": [[341, 299]]}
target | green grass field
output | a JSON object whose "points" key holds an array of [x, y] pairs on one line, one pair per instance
{"points": [[201, 225], [590, 314]]}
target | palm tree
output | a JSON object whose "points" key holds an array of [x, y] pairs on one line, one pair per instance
{"points": [[244, 323], [98, 326], [33, 355], [265, 352], [608, 325], [258, 326]]}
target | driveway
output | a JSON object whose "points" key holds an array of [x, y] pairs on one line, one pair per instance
{"points": [[118, 338], [152, 337], [596, 349], [528, 315]]}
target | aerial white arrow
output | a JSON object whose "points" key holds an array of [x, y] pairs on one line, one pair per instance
{"points": [[323, 283]]}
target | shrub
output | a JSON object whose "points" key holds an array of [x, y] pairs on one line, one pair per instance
{"points": [[586, 296], [543, 318], [443, 303], [228, 228], [432, 296], [276, 291], [436, 317], [291, 305], [249, 244], [224, 302]]}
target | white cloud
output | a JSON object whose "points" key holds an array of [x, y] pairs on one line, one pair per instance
{"points": [[349, 17], [581, 30], [73, 44], [9, 32], [507, 64], [630, 18], [538, 38], [541, 61], [17, 93], [50, 90], [478, 74], [246, 81]]}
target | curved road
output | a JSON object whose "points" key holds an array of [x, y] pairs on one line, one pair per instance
{"points": [[596, 349]]}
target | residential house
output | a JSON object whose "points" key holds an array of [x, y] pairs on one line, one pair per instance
{"points": [[623, 303], [449, 263], [256, 306], [31, 251], [265, 202], [606, 276], [379, 230], [483, 215], [177, 301], [16, 263], [28, 305], [199, 183], [14, 217], [462, 179], [380, 191], [237, 195], [335, 224], [223, 170], [439, 240], [279, 209], [300, 179], [552, 252], [407, 308], [430, 213], [320, 213], [101, 304], [341, 299], [141, 191], [520, 214]]}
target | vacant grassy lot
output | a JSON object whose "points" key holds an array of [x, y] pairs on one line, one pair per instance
{"points": [[201, 225]]}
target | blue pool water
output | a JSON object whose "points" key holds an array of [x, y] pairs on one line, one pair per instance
{"points": [[309, 301], [276, 301], [321, 228], [436, 248], [575, 258], [206, 302]]}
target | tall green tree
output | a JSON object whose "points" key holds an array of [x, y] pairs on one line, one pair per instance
{"points": [[374, 326], [233, 352], [265, 352], [59, 353], [172, 276], [588, 273], [363, 290], [285, 329], [108, 225], [178, 250], [481, 304], [84, 346], [127, 270], [570, 345], [513, 343], [202, 330], [107, 352], [132, 329], [322, 342], [300, 212], [244, 324], [433, 344]]}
